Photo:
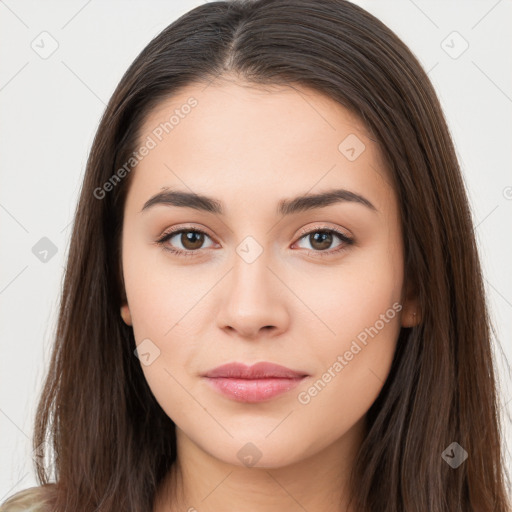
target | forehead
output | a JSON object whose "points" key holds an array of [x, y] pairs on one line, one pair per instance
{"points": [[244, 141]]}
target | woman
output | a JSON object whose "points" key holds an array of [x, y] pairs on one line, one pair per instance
{"points": [[273, 296]]}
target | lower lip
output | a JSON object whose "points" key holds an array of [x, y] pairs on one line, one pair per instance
{"points": [[253, 390]]}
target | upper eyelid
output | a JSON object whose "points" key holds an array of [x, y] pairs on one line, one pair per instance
{"points": [[172, 232], [313, 229]]}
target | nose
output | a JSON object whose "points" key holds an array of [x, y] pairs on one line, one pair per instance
{"points": [[253, 300]]}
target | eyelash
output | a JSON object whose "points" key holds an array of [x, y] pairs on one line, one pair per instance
{"points": [[179, 252]]}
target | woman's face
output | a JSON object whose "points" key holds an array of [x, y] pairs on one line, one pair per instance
{"points": [[267, 278]]}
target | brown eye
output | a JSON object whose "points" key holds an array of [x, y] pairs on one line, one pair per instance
{"points": [[192, 240], [320, 240]]}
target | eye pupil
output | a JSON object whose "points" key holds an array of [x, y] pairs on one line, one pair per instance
{"points": [[324, 237]]}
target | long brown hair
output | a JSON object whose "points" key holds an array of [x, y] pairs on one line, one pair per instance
{"points": [[112, 442]]}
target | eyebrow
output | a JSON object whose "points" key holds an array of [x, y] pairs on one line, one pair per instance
{"points": [[285, 207]]}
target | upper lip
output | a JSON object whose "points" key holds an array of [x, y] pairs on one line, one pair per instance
{"points": [[263, 370]]}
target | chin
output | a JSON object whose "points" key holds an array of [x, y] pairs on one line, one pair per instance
{"points": [[260, 452]]}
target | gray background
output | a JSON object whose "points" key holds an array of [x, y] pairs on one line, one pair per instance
{"points": [[51, 105]]}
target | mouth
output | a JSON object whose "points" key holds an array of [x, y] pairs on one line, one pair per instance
{"points": [[253, 384]]}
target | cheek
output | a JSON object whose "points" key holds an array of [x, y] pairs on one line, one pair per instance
{"points": [[360, 324], [161, 330], [160, 299], [158, 295], [352, 297], [353, 364]]}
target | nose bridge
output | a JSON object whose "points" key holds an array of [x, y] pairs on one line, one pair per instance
{"points": [[252, 299], [251, 277]]}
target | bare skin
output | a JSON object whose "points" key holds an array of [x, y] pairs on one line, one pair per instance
{"points": [[250, 147]]}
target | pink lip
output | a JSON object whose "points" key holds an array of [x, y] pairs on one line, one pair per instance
{"points": [[256, 383]]}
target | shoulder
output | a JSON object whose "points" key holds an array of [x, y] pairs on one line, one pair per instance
{"points": [[33, 499]]}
